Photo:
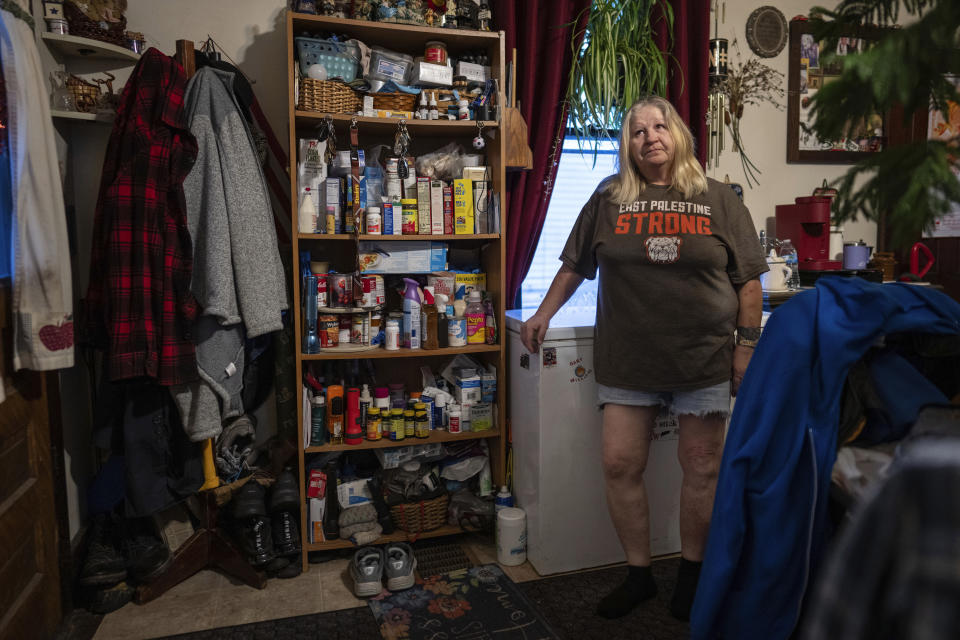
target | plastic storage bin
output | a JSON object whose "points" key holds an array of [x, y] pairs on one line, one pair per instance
{"points": [[389, 65], [341, 59]]}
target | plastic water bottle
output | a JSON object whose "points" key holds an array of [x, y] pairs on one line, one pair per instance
{"points": [[504, 499], [789, 255]]}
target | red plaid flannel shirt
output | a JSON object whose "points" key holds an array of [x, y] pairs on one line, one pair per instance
{"points": [[139, 307]]}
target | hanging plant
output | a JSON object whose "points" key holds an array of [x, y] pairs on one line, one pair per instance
{"points": [[617, 64]]}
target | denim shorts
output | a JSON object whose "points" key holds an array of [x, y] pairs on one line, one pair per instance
{"points": [[697, 402]]}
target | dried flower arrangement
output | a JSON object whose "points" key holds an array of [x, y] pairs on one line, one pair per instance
{"points": [[750, 82]]}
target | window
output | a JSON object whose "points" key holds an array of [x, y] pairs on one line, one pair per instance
{"points": [[577, 177]]}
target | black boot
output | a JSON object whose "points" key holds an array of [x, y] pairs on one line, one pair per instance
{"points": [[103, 566], [249, 501], [286, 533], [284, 495], [256, 540], [147, 554]]}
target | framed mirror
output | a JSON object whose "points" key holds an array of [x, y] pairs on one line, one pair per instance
{"points": [[809, 69]]}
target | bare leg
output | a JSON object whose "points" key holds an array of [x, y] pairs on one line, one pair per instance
{"points": [[626, 443], [700, 449], [701, 444]]}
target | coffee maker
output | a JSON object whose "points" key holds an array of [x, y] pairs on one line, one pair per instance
{"points": [[807, 224]]}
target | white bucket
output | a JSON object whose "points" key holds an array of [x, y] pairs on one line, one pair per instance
{"points": [[511, 536]]}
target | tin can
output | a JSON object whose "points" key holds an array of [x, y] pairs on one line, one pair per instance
{"points": [[356, 328], [457, 332], [374, 293], [321, 289], [328, 326], [409, 216], [339, 290]]}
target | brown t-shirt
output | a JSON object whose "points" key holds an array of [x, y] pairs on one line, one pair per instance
{"points": [[666, 305]]}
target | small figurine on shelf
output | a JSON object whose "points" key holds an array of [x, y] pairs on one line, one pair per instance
{"points": [[332, 8], [53, 14], [429, 17], [363, 9], [484, 16], [449, 17], [466, 14], [305, 6], [386, 12]]}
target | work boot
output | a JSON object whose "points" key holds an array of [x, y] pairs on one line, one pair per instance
{"points": [[284, 495], [249, 501], [286, 533], [147, 557], [109, 599], [256, 539], [103, 566]]}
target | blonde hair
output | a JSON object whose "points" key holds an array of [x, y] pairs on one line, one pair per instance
{"points": [[687, 175]]}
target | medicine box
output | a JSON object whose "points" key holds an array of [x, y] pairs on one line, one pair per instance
{"points": [[481, 417], [402, 257], [470, 282], [467, 389], [427, 74], [463, 207], [488, 387]]}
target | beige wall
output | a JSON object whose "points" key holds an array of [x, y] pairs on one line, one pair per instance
{"points": [[764, 131]]}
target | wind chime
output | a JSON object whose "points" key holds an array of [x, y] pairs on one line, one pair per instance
{"points": [[716, 107]]}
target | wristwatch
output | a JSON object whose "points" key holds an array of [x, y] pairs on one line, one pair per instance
{"points": [[748, 336], [746, 342]]}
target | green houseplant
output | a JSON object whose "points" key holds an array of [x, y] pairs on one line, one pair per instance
{"points": [[915, 183], [618, 63]]}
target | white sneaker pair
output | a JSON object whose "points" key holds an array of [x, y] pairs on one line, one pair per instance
{"points": [[370, 564]]}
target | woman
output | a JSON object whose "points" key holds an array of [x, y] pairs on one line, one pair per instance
{"points": [[680, 259]]}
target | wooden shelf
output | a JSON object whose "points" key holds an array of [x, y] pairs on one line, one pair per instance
{"points": [[389, 125], [392, 238], [83, 117], [79, 47], [435, 436], [397, 36], [399, 536], [401, 353]]}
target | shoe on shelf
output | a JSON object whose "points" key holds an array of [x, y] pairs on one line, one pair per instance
{"points": [[284, 495], [399, 566], [103, 566], [109, 599], [366, 569], [286, 533], [256, 540], [249, 501]]}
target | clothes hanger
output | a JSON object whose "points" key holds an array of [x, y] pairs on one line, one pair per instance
{"points": [[13, 7]]}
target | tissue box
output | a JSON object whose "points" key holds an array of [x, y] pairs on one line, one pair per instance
{"points": [[427, 74], [474, 72], [402, 257]]}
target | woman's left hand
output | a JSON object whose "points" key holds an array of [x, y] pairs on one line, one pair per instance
{"points": [[741, 358]]}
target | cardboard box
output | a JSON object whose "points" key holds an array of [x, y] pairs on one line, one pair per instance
{"points": [[467, 389], [387, 113], [402, 257], [463, 223], [475, 174], [423, 206], [436, 207], [470, 281], [427, 74], [481, 417], [488, 386], [316, 519], [474, 72]]}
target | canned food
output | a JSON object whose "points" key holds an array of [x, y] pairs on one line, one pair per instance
{"points": [[329, 328], [373, 291], [356, 329], [321, 289], [340, 290]]}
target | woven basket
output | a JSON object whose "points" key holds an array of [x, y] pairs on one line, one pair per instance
{"points": [[397, 101], [415, 517], [328, 96], [81, 25], [86, 96]]}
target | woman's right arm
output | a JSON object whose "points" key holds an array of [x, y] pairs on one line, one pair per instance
{"points": [[564, 284]]}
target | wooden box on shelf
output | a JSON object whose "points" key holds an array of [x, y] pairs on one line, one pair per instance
{"points": [[404, 364]]}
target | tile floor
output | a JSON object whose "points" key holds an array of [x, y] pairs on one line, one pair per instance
{"points": [[209, 599]]}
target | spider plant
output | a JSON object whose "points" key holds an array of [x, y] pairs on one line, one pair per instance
{"points": [[617, 64]]}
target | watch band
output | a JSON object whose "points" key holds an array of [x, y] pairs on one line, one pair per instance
{"points": [[750, 333], [746, 342]]}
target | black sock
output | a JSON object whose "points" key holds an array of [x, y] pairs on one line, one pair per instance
{"points": [[637, 587], [688, 574]]}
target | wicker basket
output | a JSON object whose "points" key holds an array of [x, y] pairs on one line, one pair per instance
{"points": [[82, 25], [86, 96], [328, 96], [426, 515], [397, 101]]}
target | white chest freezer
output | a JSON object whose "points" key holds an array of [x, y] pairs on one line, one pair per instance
{"points": [[556, 429]]}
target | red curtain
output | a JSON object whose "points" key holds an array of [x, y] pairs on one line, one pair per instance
{"points": [[541, 31]]}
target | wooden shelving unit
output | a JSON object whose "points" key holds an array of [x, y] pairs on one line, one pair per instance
{"points": [[427, 136]]}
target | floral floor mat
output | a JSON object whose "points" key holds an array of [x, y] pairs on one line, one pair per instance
{"points": [[479, 603]]}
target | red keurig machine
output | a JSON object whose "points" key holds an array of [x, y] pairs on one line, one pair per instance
{"points": [[807, 224]]}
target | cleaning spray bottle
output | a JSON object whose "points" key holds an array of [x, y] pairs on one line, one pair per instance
{"points": [[411, 315]]}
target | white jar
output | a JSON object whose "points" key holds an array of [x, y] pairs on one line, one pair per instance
{"points": [[373, 221], [392, 335], [464, 109]]}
